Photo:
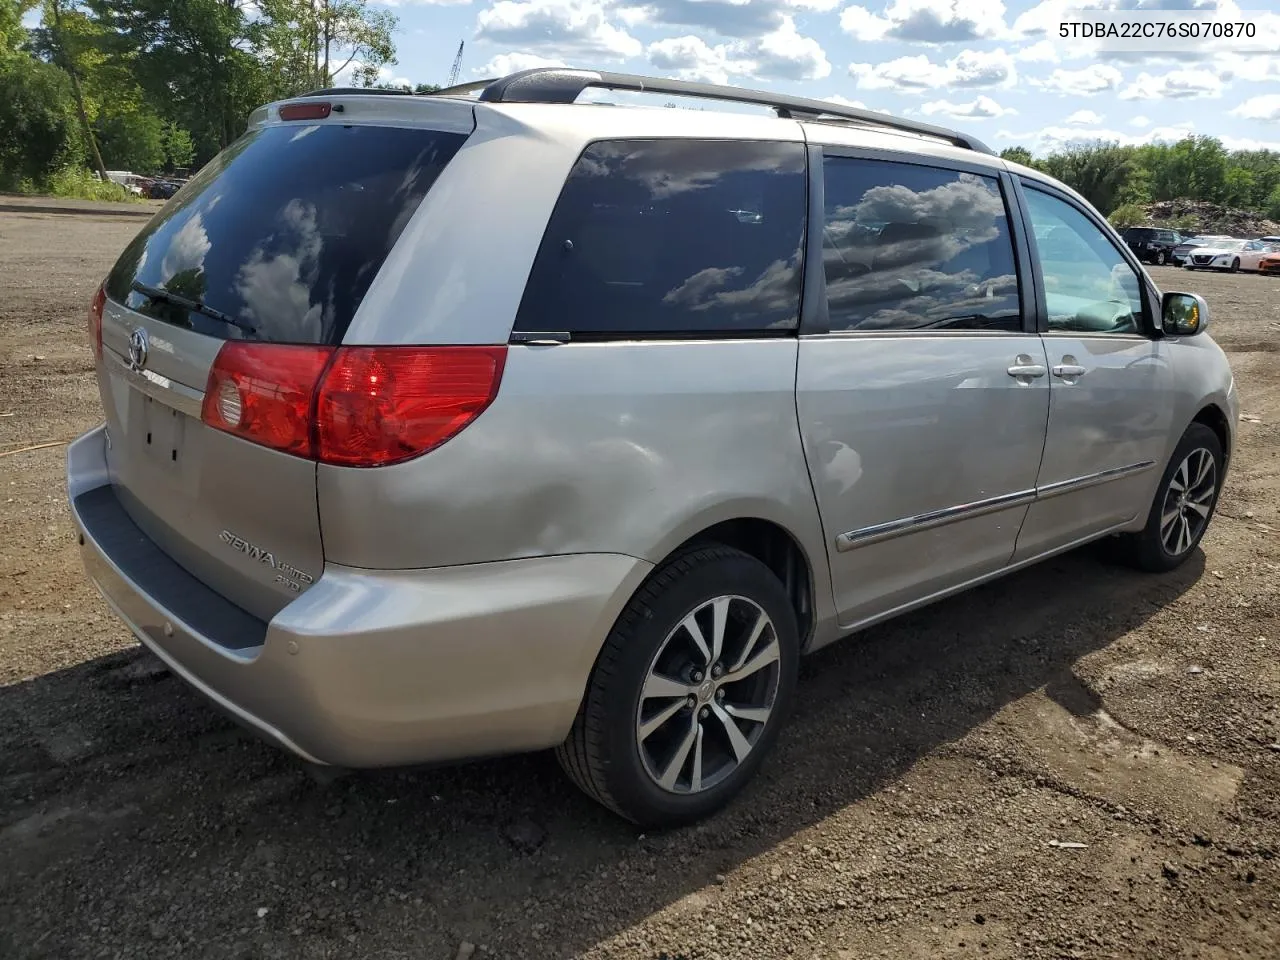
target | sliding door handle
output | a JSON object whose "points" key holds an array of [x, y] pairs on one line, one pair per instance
{"points": [[1024, 371], [1068, 371]]}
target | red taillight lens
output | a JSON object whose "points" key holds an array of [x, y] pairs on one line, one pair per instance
{"points": [[305, 111], [381, 405], [95, 320], [265, 393], [350, 406]]}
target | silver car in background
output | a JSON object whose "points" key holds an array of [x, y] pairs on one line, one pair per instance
{"points": [[410, 459]]}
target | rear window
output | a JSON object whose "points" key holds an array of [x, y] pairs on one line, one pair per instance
{"points": [[1139, 233], [280, 236], [672, 237]]}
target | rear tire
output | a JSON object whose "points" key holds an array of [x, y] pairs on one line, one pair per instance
{"points": [[1161, 258], [656, 745], [1183, 505]]}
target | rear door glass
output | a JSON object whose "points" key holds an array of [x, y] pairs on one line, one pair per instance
{"points": [[283, 232], [673, 237], [908, 247]]}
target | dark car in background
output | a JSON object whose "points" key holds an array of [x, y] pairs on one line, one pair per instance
{"points": [[1152, 244]]}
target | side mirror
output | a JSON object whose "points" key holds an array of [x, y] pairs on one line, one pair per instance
{"points": [[1183, 314]]}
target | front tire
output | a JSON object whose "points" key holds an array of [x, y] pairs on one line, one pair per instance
{"points": [[1235, 265], [689, 691], [1183, 505]]}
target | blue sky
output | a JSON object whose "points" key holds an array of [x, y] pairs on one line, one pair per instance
{"points": [[998, 70]]}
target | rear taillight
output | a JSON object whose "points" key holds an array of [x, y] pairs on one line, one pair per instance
{"points": [[266, 393], [350, 406], [95, 320]]}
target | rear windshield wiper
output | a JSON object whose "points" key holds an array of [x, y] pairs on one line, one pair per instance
{"points": [[165, 296]]}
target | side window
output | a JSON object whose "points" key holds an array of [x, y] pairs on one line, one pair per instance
{"points": [[673, 237], [909, 247], [1089, 286]]}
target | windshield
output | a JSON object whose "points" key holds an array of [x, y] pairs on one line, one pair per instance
{"points": [[280, 236]]}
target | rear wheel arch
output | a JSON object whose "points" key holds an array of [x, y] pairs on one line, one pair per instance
{"points": [[774, 546]]}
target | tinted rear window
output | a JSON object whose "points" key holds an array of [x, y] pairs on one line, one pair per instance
{"points": [[672, 237], [284, 231], [1139, 233], [908, 247]]}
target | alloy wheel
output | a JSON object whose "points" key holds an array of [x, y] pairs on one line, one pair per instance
{"points": [[1188, 501], [708, 695]]}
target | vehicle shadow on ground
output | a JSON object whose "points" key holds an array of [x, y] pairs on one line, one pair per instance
{"points": [[211, 842]]}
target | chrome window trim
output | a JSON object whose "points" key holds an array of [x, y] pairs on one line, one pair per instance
{"points": [[879, 532]]}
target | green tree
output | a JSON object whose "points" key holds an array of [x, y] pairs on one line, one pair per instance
{"points": [[1098, 171], [66, 52], [1127, 215], [305, 44], [38, 117], [179, 150], [1273, 204], [1017, 155], [12, 33]]}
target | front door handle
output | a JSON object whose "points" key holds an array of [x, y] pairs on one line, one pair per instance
{"points": [[1024, 369], [1068, 371]]}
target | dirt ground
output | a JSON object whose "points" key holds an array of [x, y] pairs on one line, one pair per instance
{"points": [[1079, 761]]}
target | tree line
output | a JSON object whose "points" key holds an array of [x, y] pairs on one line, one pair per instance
{"points": [[1120, 179], [162, 85]]}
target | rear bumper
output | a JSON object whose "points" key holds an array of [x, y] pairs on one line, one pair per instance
{"points": [[367, 668]]}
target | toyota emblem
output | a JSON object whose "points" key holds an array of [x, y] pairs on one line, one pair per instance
{"points": [[138, 349]]}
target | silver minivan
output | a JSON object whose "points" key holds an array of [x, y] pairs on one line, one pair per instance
{"points": [[492, 421]]}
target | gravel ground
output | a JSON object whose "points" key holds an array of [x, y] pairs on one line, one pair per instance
{"points": [[1079, 761]]}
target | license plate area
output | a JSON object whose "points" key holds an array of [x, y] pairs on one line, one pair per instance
{"points": [[159, 431]]}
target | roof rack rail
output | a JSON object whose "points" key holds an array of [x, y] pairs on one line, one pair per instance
{"points": [[460, 89], [375, 91], [562, 85]]}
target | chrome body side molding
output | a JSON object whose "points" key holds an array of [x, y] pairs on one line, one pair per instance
{"points": [[879, 532]]}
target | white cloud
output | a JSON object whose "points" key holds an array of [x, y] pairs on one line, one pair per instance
{"points": [[505, 63], [1050, 139], [971, 69], [1175, 85], [423, 3], [1085, 82], [785, 54], [1247, 143], [1265, 107], [781, 54], [739, 19], [1042, 51], [927, 21], [1251, 69], [568, 27], [690, 58], [846, 102], [1140, 122], [1084, 118], [981, 108]]}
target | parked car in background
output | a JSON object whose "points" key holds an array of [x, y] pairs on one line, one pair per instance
{"points": [[391, 491], [1152, 244], [1270, 263], [163, 189], [127, 179], [1183, 250], [1251, 253], [1217, 255]]}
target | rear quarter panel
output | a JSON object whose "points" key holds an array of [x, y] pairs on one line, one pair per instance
{"points": [[627, 448]]}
